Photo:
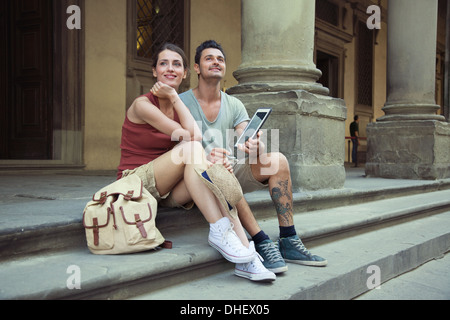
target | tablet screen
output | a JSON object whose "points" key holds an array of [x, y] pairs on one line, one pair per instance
{"points": [[254, 126]]}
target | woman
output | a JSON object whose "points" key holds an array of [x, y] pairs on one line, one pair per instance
{"points": [[160, 143]]}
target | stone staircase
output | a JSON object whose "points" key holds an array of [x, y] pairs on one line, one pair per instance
{"points": [[394, 225]]}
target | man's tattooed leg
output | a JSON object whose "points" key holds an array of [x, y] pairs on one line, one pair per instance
{"points": [[282, 197]]}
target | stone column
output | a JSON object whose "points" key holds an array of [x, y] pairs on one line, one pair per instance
{"points": [[278, 47], [411, 72], [278, 71], [410, 141]]}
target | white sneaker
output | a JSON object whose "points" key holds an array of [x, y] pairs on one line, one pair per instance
{"points": [[223, 238], [254, 270]]}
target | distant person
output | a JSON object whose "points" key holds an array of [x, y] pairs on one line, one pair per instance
{"points": [[354, 133]]}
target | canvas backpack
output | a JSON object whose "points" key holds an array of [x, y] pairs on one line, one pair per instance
{"points": [[120, 219]]}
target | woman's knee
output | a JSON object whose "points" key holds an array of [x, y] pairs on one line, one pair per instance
{"points": [[192, 152]]}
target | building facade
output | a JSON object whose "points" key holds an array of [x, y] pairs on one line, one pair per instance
{"points": [[72, 67]]}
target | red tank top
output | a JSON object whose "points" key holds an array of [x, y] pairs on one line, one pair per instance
{"points": [[142, 143]]}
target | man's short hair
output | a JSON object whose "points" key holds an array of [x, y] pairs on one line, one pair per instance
{"points": [[209, 44]]}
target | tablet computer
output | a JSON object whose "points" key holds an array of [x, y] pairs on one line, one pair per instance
{"points": [[254, 125]]}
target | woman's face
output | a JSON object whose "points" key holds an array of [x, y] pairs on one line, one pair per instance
{"points": [[170, 69]]}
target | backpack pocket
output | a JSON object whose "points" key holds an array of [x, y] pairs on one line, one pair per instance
{"points": [[139, 223], [99, 230]]}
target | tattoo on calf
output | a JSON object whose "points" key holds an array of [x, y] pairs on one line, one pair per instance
{"points": [[281, 196]]}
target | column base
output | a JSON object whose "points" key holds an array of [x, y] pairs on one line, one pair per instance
{"points": [[411, 111], [311, 135], [256, 79], [409, 150]]}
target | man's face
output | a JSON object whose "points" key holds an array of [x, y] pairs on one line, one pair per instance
{"points": [[212, 64]]}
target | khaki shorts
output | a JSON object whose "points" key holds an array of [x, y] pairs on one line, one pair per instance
{"points": [[147, 175], [243, 173]]}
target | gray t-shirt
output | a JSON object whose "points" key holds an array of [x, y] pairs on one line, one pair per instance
{"points": [[220, 132]]}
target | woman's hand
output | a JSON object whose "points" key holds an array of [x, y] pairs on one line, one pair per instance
{"points": [[219, 156], [163, 91]]}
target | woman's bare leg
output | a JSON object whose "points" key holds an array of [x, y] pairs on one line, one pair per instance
{"points": [[174, 171]]}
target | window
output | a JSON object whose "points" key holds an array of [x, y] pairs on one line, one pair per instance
{"points": [[158, 22], [365, 65], [327, 11], [151, 23]]}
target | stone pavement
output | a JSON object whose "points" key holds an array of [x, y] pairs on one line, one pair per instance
{"points": [[36, 201]]}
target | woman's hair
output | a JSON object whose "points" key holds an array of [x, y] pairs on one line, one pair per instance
{"points": [[174, 48]]}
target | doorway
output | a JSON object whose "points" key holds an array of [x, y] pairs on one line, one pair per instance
{"points": [[26, 72], [329, 65]]}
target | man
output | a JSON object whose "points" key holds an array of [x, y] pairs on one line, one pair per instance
{"points": [[354, 133], [219, 112]]}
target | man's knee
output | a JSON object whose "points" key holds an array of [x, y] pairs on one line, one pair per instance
{"points": [[283, 164], [274, 164]]}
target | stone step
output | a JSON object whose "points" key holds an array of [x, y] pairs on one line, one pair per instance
{"points": [[45, 276], [429, 282], [359, 262], [39, 223]]}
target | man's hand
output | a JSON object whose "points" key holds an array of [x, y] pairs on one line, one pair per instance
{"points": [[253, 147], [219, 156]]}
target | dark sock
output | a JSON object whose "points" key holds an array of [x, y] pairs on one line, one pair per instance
{"points": [[287, 232], [260, 237]]}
